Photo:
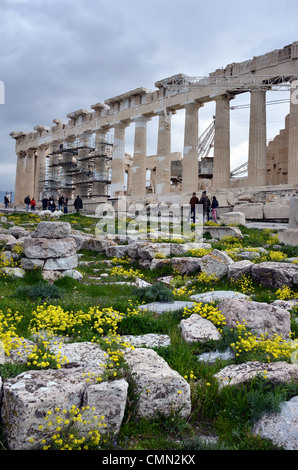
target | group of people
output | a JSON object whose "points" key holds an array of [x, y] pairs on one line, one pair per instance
{"points": [[49, 203], [207, 207], [30, 203]]}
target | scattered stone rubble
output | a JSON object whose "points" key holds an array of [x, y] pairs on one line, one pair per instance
{"points": [[27, 398]]}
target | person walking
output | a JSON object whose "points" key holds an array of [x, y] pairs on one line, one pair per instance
{"points": [[27, 201], [214, 206], [206, 206], [78, 204], [193, 202]]}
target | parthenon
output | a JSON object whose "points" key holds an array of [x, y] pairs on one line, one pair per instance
{"points": [[82, 156]]}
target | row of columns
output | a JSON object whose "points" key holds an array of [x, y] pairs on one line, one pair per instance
{"points": [[30, 164]]}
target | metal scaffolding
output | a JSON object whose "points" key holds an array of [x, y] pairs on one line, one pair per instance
{"points": [[77, 169]]}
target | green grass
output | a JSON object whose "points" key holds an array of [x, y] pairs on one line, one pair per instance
{"points": [[228, 414]]}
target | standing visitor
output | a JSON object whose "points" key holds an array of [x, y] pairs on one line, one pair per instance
{"points": [[214, 206], [78, 204], [206, 206], [44, 203], [27, 201], [6, 201], [60, 202], [33, 204], [66, 205], [193, 202], [52, 205]]}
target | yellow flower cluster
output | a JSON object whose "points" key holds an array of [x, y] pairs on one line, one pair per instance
{"points": [[275, 347], [208, 311], [123, 260], [64, 429], [200, 252], [277, 256], [127, 273], [286, 293], [244, 284], [182, 292], [54, 319], [206, 278], [8, 325], [159, 256]]}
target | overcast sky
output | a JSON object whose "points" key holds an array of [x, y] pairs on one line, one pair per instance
{"points": [[60, 56]]}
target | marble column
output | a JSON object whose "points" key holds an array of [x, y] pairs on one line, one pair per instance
{"points": [[163, 159], [221, 158], [118, 161], [30, 173], [190, 162], [257, 139], [139, 157], [20, 187], [293, 137], [40, 172]]}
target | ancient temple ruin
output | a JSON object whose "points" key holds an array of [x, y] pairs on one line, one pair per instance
{"points": [[82, 156]]}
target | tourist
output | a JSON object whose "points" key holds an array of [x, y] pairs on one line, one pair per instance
{"points": [[52, 205], [193, 202], [78, 204], [206, 206], [66, 205], [27, 201], [6, 201], [214, 206], [33, 204], [60, 202], [44, 203]]}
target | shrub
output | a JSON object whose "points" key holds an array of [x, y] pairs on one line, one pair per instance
{"points": [[40, 290], [156, 293]]}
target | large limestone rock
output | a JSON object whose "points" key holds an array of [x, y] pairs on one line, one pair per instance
{"points": [[221, 232], [109, 400], [276, 372], [216, 263], [217, 295], [84, 354], [90, 242], [160, 388], [293, 216], [149, 250], [186, 265], [288, 236], [239, 269], [234, 218], [61, 264], [52, 230], [27, 398], [274, 274], [198, 329], [44, 248], [259, 317], [252, 211], [281, 428]]}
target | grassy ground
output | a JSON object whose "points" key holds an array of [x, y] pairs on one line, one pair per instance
{"points": [[228, 414]]}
